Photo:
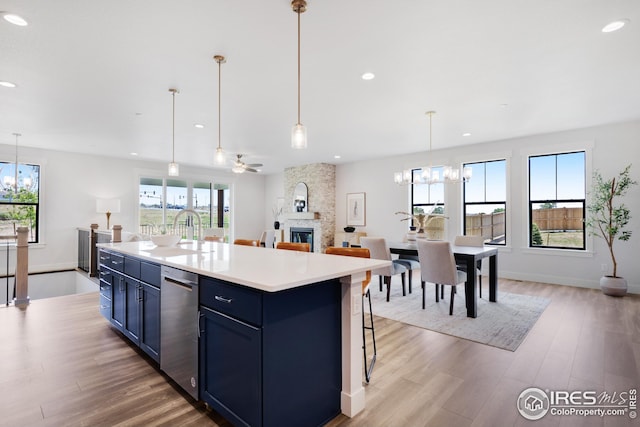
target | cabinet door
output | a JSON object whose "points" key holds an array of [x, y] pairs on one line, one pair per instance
{"points": [[231, 368], [150, 337], [133, 295], [118, 302]]}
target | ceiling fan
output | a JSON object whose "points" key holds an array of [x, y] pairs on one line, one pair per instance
{"points": [[239, 166]]}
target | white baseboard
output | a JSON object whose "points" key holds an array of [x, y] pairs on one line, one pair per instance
{"points": [[633, 288]]}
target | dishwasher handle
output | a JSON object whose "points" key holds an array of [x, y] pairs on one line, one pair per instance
{"points": [[186, 284]]}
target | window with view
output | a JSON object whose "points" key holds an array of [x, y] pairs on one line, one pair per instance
{"points": [[428, 200], [162, 199], [20, 199], [557, 200], [485, 205]]}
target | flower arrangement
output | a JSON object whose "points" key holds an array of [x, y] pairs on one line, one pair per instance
{"points": [[276, 212], [421, 220]]}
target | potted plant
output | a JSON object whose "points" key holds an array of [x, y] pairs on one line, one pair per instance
{"points": [[608, 218]]}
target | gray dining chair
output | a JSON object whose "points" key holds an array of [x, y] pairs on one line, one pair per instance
{"points": [[475, 241], [438, 266], [378, 248], [412, 263]]}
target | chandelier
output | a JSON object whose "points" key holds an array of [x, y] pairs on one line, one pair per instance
{"points": [[430, 175]]}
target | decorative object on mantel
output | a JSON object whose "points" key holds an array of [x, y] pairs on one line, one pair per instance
{"points": [[349, 229], [356, 209], [299, 132], [174, 168], [277, 211], [428, 175], [108, 206], [608, 221], [300, 197]]}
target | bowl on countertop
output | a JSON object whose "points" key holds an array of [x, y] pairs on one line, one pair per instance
{"points": [[165, 239], [349, 229]]}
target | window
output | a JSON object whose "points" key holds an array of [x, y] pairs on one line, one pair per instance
{"points": [[484, 205], [557, 200], [162, 199], [429, 199], [20, 199]]}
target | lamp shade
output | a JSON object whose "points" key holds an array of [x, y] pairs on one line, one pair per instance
{"points": [[108, 205]]}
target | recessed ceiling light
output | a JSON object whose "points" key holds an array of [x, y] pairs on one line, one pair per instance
{"points": [[337, 156], [7, 84], [466, 134], [199, 125], [133, 154], [15, 20], [615, 25], [368, 76]]}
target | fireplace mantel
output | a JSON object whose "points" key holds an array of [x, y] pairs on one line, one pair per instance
{"points": [[302, 215]]}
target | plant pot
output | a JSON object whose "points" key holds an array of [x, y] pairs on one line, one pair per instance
{"points": [[613, 286], [276, 225]]}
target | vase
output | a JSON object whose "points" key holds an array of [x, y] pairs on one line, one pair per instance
{"points": [[613, 286], [276, 225]]}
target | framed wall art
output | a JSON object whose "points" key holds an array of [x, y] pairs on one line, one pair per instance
{"points": [[356, 209]]}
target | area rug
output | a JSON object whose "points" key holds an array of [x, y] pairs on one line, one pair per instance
{"points": [[503, 324]]}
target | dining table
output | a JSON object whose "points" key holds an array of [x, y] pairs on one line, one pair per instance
{"points": [[469, 255]]}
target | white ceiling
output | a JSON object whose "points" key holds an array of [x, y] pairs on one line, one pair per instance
{"points": [[93, 76]]}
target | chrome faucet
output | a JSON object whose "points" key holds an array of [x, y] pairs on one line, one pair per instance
{"points": [[197, 215]]}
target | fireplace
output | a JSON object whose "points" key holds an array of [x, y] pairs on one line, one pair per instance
{"points": [[301, 235]]}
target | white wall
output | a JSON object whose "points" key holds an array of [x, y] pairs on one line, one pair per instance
{"points": [[611, 148], [71, 183]]}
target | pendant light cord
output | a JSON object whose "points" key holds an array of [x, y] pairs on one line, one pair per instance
{"points": [[219, 103], [173, 141], [15, 184], [298, 11]]}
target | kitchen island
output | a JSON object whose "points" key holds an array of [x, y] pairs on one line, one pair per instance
{"points": [[287, 297]]}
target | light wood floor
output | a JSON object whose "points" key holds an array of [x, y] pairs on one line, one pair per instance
{"points": [[63, 365]]}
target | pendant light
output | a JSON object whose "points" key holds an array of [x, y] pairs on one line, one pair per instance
{"points": [[299, 132], [219, 158], [174, 168], [429, 175]]}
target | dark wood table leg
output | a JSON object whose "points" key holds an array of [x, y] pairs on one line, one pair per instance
{"points": [[470, 288], [493, 278]]}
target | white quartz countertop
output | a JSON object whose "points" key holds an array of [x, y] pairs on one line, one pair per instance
{"points": [[266, 269]]}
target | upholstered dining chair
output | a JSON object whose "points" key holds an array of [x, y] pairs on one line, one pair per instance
{"points": [[301, 247], [438, 266], [362, 253], [411, 262], [378, 248], [476, 241], [246, 242], [215, 234]]}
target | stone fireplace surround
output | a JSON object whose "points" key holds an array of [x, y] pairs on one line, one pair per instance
{"points": [[320, 179]]}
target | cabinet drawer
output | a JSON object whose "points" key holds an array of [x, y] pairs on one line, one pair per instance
{"points": [[105, 275], [132, 267], [116, 262], [150, 273], [105, 306], [242, 303], [104, 258], [105, 288]]}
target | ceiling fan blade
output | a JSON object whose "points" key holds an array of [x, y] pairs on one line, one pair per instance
{"points": [[248, 169], [254, 165]]}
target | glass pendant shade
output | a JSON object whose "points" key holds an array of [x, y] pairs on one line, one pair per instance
{"points": [[299, 136], [219, 158], [174, 169]]}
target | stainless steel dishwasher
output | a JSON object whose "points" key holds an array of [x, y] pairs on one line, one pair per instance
{"points": [[179, 323]]}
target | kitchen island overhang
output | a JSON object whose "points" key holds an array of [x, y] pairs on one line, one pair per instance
{"points": [[272, 270]]}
